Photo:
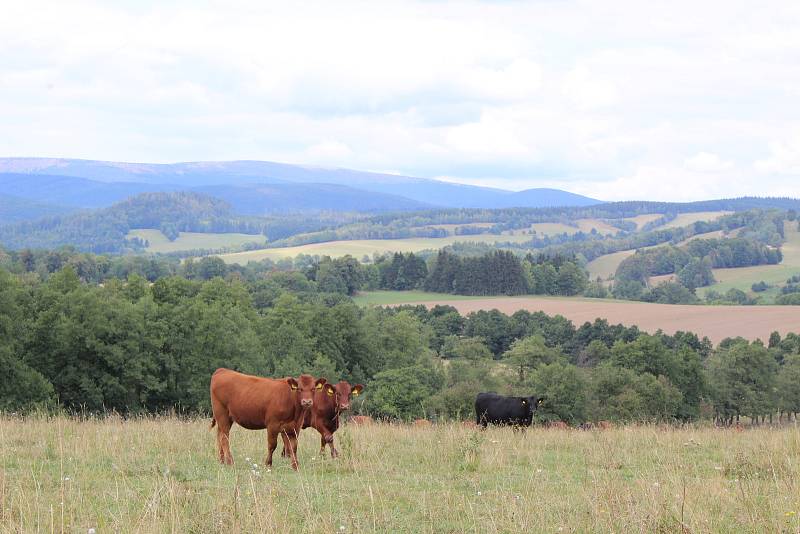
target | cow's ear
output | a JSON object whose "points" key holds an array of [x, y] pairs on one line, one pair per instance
{"points": [[319, 383], [318, 387], [540, 401], [292, 383], [357, 390], [329, 390]]}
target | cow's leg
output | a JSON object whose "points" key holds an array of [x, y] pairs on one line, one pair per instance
{"points": [[224, 424], [272, 443], [284, 452], [291, 435], [327, 439]]}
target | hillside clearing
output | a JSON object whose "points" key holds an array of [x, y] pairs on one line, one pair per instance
{"points": [[744, 277], [160, 474], [605, 266], [685, 219], [641, 220], [360, 247], [715, 322], [158, 242]]}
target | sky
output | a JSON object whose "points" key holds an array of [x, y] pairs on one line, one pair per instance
{"points": [[613, 99]]}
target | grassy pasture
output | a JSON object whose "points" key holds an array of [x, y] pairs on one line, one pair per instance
{"points": [[359, 247], [583, 225], [193, 240], [161, 475], [605, 266]]}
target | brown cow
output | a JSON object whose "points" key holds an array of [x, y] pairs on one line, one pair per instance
{"points": [[557, 424], [255, 403], [361, 420], [329, 403]]}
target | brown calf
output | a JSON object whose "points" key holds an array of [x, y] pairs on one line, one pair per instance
{"points": [[361, 420], [255, 403], [329, 403], [557, 424]]}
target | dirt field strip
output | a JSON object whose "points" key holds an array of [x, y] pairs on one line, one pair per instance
{"points": [[716, 322]]}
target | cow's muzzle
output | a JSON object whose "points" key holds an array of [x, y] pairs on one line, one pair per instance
{"points": [[306, 403]]}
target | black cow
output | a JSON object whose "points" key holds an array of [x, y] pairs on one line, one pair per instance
{"points": [[501, 410]]}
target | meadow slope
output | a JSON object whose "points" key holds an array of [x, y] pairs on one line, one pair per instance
{"points": [[161, 475]]}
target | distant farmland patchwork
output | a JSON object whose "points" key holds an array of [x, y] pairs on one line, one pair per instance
{"points": [[716, 322], [360, 247]]}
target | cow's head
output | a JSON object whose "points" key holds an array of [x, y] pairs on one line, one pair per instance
{"points": [[304, 388], [343, 392], [531, 404]]}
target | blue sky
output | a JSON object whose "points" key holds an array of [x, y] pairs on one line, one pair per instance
{"points": [[618, 100]]}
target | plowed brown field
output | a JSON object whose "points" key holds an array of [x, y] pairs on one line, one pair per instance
{"points": [[716, 322]]}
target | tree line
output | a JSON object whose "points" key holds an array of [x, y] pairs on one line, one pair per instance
{"points": [[135, 346]]}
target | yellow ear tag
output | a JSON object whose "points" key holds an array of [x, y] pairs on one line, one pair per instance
{"points": [[329, 392], [319, 386], [540, 402], [294, 387], [355, 393]]}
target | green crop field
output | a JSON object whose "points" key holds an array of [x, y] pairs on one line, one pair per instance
{"points": [[360, 247], [161, 475], [193, 240]]}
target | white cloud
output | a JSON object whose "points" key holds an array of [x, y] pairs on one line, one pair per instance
{"points": [[784, 158], [607, 98], [707, 162]]}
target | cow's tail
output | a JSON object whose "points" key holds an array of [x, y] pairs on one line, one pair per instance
{"points": [[213, 422]]}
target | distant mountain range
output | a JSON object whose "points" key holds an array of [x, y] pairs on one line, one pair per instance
{"points": [[257, 187]]}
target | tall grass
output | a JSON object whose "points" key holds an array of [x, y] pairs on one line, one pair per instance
{"points": [[161, 475]]}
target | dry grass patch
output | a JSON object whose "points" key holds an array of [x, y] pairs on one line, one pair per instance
{"points": [[159, 475]]}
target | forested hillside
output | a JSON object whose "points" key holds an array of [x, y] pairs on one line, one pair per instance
{"points": [[104, 230], [14, 209]]}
